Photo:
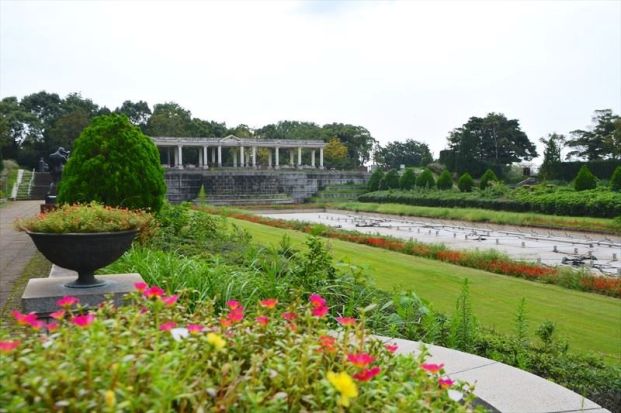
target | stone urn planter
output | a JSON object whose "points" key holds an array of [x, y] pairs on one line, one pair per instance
{"points": [[83, 252]]}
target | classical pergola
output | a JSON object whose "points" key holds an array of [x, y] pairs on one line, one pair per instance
{"points": [[240, 147]]}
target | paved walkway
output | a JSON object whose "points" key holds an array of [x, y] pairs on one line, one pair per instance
{"points": [[16, 248]]}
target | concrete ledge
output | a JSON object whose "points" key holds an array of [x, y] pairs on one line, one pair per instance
{"points": [[41, 294], [505, 388]]}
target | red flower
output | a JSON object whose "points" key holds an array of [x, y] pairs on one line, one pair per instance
{"points": [[289, 316], [268, 303], [236, 315], [24, 319], [317, 301], [234, 305], [83, 320], [367, 374], [262, 320], [346, 321], [58, 315], [9, 345], [154, 291], [445, 383], [320, 311], [167, 326], [225, 322], [327, 343], [432, 367], [67, 301], [141, 286], [170, 300], [52, 326], [195, 328], [360, 359], [391, 347]]}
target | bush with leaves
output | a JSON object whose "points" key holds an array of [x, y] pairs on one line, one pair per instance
{"points": [[615, 179], [445, 181], [488, 177], [465, 182], [375, 179], [390, 180], [425, 179], [585, 179], [115, 164], [408, 179]]}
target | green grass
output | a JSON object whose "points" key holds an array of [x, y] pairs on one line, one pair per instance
{"points": [[485, 215], [589, 322]]}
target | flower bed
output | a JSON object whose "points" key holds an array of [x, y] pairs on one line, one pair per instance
{"points": [[155, 355], [496, 263]]}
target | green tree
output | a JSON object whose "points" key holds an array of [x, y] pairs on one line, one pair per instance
{"points": [[357, 139], [601, 141], [287, 129], [137, 112], [169, 119], [615, 179], [445, 181], [114, 163], [488, 177], [335, 154], [465, 182], [551, 156], [425, 179], [585, 179], [16, 126], [408, 179], [408, 153], [375, 179], [390, 180]]}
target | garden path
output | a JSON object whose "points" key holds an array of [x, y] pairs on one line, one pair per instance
{"points": [[16, 248]]}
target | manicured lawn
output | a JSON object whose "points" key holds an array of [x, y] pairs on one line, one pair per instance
{"points": [[590, 322]]}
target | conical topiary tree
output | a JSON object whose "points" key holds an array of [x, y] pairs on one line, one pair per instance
{"points": [[615, 179], [390, 180], [114, 163], [585, 179], [374, 180], [425, 179], [445, 181], [487, 178], [408, 179], [465, 182]]}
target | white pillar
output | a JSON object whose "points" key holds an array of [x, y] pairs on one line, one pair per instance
{"points": [[254, 156], [180, 158], [200, 157], [277, 164], [313, 158], [241, 157], [213, 156], [269, 158], [320, 158], [205, 157], [175, 162], [291, 157], [219, 156], [299, 156], [234, 157]]}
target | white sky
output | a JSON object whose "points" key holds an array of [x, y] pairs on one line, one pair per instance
{"points": [[401, 69]]}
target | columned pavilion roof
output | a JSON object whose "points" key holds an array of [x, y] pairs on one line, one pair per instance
{"points": [[233, 140]]}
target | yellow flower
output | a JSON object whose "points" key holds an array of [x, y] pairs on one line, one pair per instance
{"points": [[110, 398], [345, 385], [216, 341]]}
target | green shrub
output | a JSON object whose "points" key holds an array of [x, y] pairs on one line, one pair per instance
{"points": [[615, 179], [113, 163], [408, 179], [487, 178], [445, 181], [465, 182], [425, 179], [585, 179], [390, 180], [375, 179]]}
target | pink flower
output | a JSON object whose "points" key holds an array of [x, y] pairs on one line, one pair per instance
{"points": [[236, 315], [58, 315], [262, 320], [195, 328], [9, 345], [234, 305], [327, 343], [360, 359], [141, 286], [289, 316], [154, 291], [37, 325], [316, 300], [24, 319], [52, 326], [367, 374], [445, 382], [170, 300], [268, 303], [168, 325], [432, 367], [320, 311], [346, 321], [391, 347], [83, 320], [67, 301]]}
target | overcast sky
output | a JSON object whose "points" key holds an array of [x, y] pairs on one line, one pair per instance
{"points": [[403, 70]]}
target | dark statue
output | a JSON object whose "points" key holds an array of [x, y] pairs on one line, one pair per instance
{"points": [[57, 161]]}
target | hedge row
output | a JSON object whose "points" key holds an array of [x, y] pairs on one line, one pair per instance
{"points": [[592, 203]]}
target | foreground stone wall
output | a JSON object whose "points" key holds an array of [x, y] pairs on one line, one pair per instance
{"points": [[184, 185]]}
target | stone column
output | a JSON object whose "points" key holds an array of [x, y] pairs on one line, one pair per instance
{"points": [[167, 156], [254, 157], [205, 157], [299, 156], [241, 157], [277, 164], [219, 156], [213, 156], [320, 158], [180, 157], [234, 157], [269, 158], [313, 158], [291, 158]]}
